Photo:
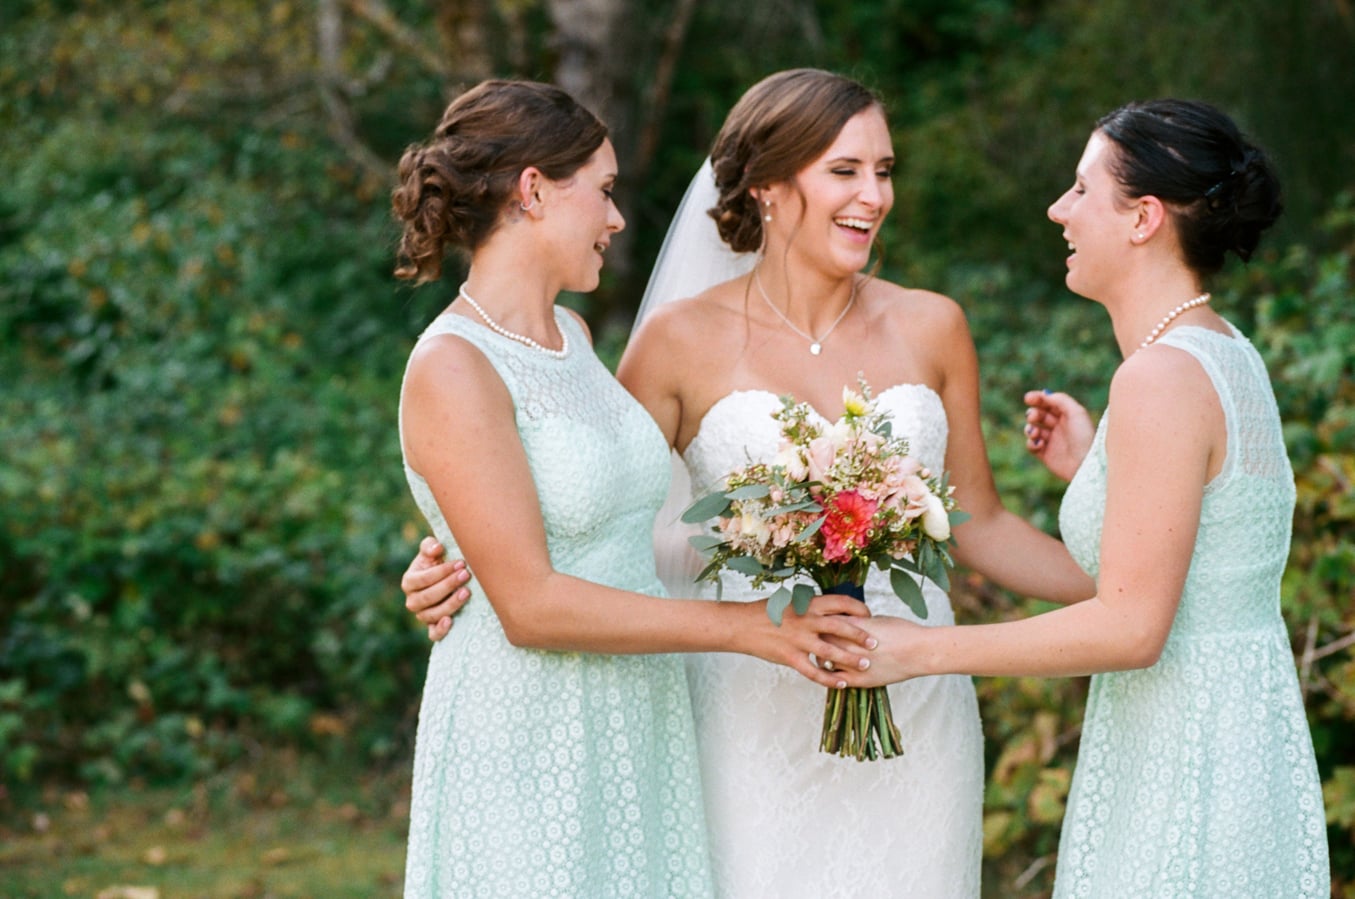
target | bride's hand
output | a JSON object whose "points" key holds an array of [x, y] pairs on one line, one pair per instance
{"points": [[1058, 431], [435, 589], [829, 631]]}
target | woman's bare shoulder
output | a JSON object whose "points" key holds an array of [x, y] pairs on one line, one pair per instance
{"points": [[912, 306]]}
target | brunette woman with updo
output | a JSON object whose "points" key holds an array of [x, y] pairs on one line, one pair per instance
{"points": [[1195, 774], [554, 758]]}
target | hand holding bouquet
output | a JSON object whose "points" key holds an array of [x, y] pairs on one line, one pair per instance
{"points": [[837, 499]]}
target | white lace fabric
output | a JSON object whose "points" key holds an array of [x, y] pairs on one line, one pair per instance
{"points": [[787, 820]]}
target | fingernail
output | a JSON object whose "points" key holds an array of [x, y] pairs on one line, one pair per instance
{"points": [[871, 643], [842, 685], [1039, 443], [865, 663], [1047, 391]]}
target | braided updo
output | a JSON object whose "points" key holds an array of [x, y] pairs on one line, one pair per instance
{"points": [[1222, 190], [456, 187], [779, 126]]}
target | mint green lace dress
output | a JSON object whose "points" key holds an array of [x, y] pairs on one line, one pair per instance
{"points": [[1195, 778], [560, 773]]}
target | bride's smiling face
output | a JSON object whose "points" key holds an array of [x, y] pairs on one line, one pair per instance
{"points": [[831, 211]]}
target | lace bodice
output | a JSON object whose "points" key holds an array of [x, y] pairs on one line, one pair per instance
{"points": [[598, 459], [731, 429], [786, 820], [559, 773], [1195, 777]]}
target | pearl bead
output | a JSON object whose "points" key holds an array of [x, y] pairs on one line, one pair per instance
{"points": [[1171, 316], [513, 335]]}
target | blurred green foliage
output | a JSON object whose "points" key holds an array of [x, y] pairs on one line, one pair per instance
{"points": [[202, 512]]}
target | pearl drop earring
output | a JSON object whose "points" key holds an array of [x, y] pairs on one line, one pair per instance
{"points": [[767, 217]]}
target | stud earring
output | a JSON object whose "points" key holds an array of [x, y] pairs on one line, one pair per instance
{"points": [[1138, 236]]}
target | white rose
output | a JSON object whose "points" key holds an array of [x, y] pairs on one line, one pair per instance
{"points": [[935, 521], [788, 457]]}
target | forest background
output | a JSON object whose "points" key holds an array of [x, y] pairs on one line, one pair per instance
{"points": [[203, 516]]}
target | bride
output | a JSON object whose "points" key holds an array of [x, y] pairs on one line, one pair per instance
{"points": [[784, 218]]}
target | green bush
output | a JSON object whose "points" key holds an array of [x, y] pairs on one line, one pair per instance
{"points": [[201, 510]]}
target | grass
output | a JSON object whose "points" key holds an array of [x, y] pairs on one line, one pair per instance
{"points": [[286, 826]]}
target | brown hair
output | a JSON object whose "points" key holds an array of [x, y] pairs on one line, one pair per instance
{"points": [[779, 126], [1222, 190], [455, 187]]}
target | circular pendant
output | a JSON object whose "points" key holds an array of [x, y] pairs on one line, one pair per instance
{"points": [[815, 348]]}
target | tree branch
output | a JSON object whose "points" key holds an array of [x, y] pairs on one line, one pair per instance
{"points": [[378, 14]]}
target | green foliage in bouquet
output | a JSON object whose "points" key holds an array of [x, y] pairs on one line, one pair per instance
{"points": [[838, 498]]}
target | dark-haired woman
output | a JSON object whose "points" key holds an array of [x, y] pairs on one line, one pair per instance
{"points": [[552, 759], [1196, 775]]}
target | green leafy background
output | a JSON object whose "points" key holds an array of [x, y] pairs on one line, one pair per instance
{"points": [[202, 512]]}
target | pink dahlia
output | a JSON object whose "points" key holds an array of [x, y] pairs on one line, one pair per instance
{"points": [[849, 519]]}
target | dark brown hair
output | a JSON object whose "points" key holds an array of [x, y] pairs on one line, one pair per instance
{"points": [[456, 187], [1221, 190], [779, 126]]}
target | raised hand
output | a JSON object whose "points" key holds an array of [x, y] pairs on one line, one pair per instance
{"points": [[1058, 431], [435, 589]]}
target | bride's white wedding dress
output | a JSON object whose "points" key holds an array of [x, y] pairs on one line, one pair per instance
{"points": [[786, 820]]}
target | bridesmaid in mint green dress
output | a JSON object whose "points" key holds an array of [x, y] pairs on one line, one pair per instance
{"points": [[553, 757], [1196, 777]]}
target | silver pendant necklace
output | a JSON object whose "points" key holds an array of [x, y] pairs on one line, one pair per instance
{"points": [[513, 335], [815, 343]]}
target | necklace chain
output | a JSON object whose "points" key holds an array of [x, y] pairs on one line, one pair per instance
{"points": [[815, 343], [513, 335], [1171, 316]]}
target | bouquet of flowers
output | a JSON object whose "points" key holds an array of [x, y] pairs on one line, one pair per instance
{"points": [[837, 499]]}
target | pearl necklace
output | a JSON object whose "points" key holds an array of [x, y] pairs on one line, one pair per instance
{"points": [[512, 335], [815, 343], [1171, 316]]}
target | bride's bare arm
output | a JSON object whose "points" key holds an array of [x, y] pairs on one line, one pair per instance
{"points": [[994, 541]]}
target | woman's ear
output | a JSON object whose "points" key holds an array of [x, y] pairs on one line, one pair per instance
{"points": [[1150, 214], [529, 189]]}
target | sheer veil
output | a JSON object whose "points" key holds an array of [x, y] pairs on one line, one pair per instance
{"points": [[692, 258]]}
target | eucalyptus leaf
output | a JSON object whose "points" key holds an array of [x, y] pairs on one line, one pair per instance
{"points": [[958, 516], [938, 574], [776, 605], [907, 589], [811, 530], [749, 491], [746, 565], [704, 543], [711, 572], [802, 596], [713, 506], [907, 565]]}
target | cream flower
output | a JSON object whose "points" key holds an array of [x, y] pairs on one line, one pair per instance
{"points": [[935, 521]]}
